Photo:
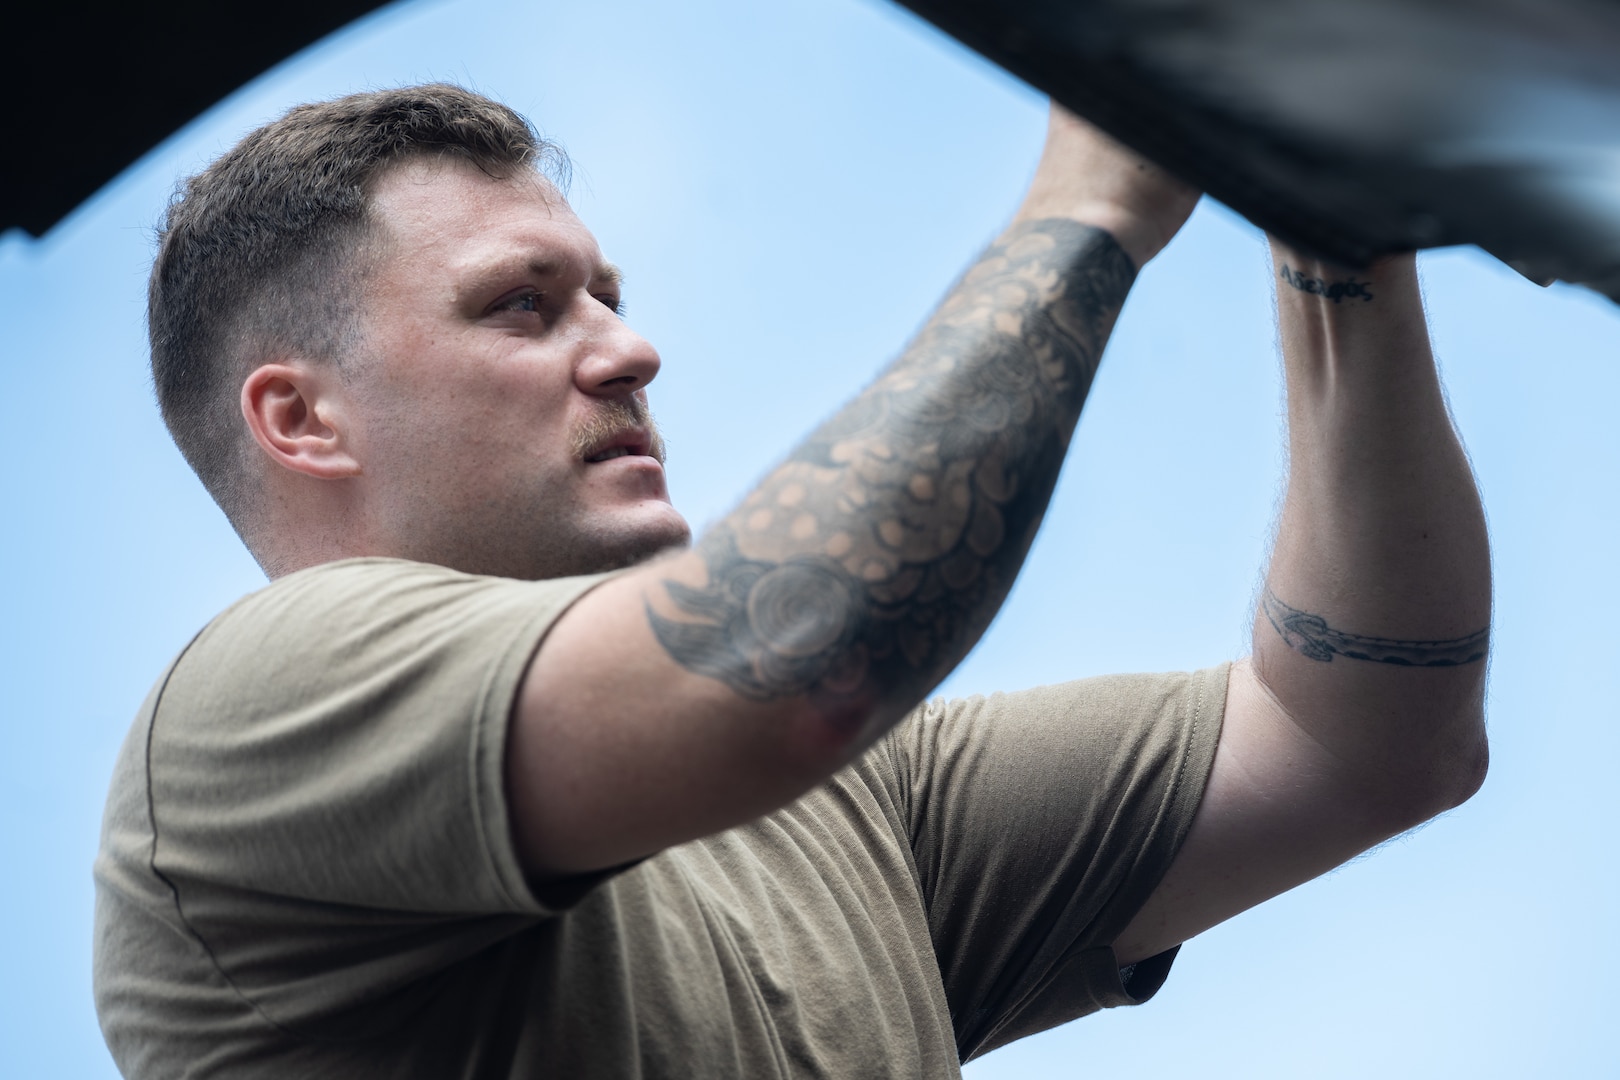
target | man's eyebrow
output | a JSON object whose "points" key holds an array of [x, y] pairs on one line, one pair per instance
{"points": [[605, 273], [489, 277]]}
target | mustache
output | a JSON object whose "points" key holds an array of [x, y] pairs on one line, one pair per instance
{"points": [[612, 419]]}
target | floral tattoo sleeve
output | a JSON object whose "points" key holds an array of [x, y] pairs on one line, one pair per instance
{"points": [[867, 564]]}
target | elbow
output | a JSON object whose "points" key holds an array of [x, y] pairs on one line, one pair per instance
{"points": [[1467, 769], [824, 736], [1442, 775], [1463, 750]]}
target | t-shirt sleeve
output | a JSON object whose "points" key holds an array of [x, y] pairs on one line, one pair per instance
{"points": [[1040, 822], [325, 776]]}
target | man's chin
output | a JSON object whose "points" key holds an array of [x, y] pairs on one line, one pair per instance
{"points": [[538, 546], [619, 548]]}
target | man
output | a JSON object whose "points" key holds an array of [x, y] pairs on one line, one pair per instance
{"points": [[498, 778]]}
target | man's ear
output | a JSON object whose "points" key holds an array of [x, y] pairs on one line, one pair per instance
{"points": [[298, 419]]}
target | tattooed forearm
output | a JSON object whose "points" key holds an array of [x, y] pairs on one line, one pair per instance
{"points": [[1332, 290], [869, 562], [1313, 637]]}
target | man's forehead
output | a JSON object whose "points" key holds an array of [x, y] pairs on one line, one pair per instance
{"points": [[467, 218], [425, 177]]}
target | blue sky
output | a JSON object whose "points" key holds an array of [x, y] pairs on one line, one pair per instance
{"points": [[789, 187]]}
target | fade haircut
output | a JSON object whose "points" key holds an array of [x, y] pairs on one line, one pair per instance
{"points": [[266, 252]]}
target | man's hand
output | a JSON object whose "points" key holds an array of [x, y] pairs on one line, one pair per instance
{"points": [[1087, 176]]}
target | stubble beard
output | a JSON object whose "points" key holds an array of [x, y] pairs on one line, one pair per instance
{"points": [[531, 535], [588, 552]]}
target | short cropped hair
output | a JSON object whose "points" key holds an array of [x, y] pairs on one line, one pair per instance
{"points": [[266, 251]]}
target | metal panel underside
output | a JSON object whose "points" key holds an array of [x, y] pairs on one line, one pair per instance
{"points": [[104, 81], [1352, 127]]}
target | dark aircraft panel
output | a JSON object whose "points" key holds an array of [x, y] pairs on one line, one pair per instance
{"points": [[1352, 127], [102, 83]]}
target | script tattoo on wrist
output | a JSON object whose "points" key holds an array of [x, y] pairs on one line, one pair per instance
{"points": [[1311, 636], [1335, 291], [872, 559]]}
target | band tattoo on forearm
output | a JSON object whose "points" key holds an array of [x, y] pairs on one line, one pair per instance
{"points": [[878, 552], [1332, 290], [1311, 636]]}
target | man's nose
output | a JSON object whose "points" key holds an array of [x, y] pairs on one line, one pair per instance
{"points": [[615, 360]]}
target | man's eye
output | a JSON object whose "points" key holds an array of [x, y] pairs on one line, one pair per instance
{"points": [[614, 304], [524, 301]]}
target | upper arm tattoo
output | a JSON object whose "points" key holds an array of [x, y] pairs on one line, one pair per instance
{"points": [[868, 563], [1311, 636]]}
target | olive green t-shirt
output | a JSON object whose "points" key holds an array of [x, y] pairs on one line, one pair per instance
{"points": [[306, 869]]}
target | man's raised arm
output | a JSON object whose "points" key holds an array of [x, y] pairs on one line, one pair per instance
{"points": [[1361, 712], [709, 688]]}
